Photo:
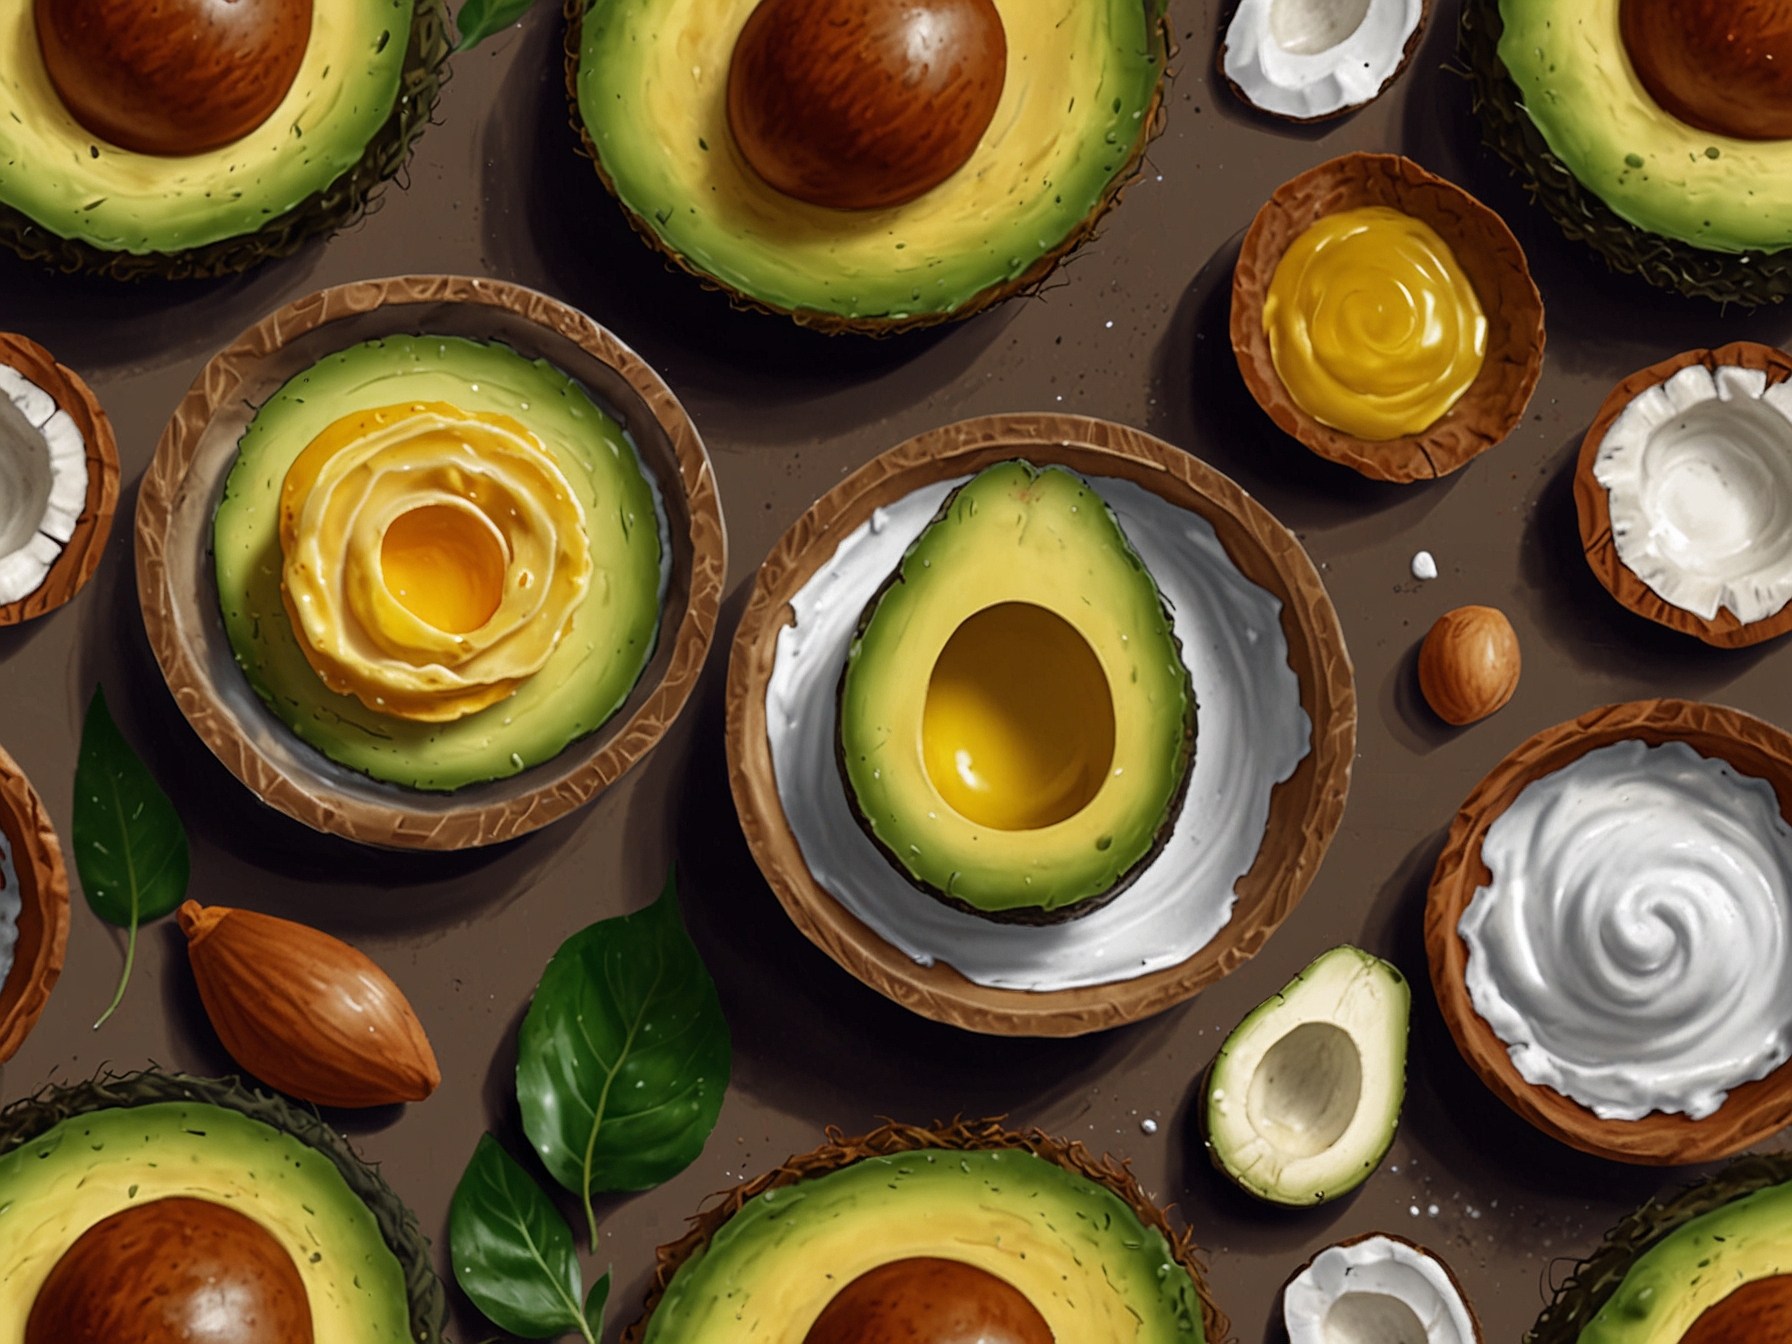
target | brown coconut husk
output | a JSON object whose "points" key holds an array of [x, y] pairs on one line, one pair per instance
{"points": [[890, 1139], [1305, 809], [1407, 53], [1488, 254], [81, 553], [174, 519], [1426, 1251], [1752, 1111], [1160, 36], [1592, 503], [43, 920]]}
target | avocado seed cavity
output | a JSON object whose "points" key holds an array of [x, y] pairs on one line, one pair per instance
{"points": [[1723, 66], [173, 1271], [1018, 728], [864, 104], [927, 1300], [1304, 1094], [177, 77]]}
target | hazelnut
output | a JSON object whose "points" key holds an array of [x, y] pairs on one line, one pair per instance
{"points": [[1469, 664]]}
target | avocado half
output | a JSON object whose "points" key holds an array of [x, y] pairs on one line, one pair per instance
{"points": [[328, 1174], [658, 134], [330, 207], [1747, 277], [1718, 1249], [1027, 1184], [1019, 562]]}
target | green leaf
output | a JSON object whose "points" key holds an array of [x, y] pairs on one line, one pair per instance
{"points": [[624, 1055], [594, 1307], [130, 848], [512, 1251], [479, 19]]}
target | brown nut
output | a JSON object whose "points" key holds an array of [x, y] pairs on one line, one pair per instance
{"points": [[306, 1012], [1469, 664]]}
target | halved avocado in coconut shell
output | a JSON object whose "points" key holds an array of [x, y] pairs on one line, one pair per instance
{"points": [[1592, 500]]}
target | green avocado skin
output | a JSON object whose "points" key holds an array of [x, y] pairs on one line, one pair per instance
{"points": [[1747, 1239], [597, 662], [1078, 1239]]}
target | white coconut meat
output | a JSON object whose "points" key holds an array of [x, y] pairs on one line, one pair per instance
{"points": [[11, 906], [1698, 476], [1316, 58], [1377, 1290], [43, 483]]}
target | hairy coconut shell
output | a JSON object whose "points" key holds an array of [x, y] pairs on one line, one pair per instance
{"points": [[959, 1136], [1426, 1251], [1592, 503], [333, 207], [1752, 1111], [43, 918], [81, 552], [1747, 278], [1489, 255], [1163, 49]]}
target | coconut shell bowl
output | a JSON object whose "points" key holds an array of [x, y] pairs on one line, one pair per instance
{"points": [[1277, 862], [1751, 1111], [1488, 255], [43, 906], [176, 576]]}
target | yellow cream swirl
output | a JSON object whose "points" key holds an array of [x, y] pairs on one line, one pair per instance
{"points": [[1373, 327], [434, 557]]}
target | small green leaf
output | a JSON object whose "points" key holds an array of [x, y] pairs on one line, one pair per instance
{"points": [[624, 1055], [130, 848], [511, 1250], [479, 19], [594, 1307]]}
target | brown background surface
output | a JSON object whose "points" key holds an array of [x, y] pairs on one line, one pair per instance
{"points": [[1133, 329]]}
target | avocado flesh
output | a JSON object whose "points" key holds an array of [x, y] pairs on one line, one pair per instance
{"points": [[1017, 534], [1076, 1250], [53, 1187], [651, 86], [1302, 1100], [598, 660], [76, 204]]}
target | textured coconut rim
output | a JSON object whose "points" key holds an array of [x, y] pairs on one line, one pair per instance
{"points": [[1594, 1280], [1592, 503], [27, 1118], [891, 1139], [1305, 809], [1752, 1111], [43, 918], [1747, 278], [332, 207], [80, 554], [1489, 255], [1431, 1255], [175, 635], [1160, 35], [1407, 53]]}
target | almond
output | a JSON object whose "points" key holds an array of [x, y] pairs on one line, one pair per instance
{"points": [[1469, 664], [306, 1012]]}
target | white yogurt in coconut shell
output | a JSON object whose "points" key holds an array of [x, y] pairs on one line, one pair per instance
{"points": [[43, 483]]}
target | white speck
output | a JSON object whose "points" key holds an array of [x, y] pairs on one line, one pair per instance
{"points": [[1110, 322], [1414, 1210], [1423, 566], [1432, 1210], [1148, 1125]]}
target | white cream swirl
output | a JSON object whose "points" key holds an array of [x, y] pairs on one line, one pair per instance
{"points": [[1633, 947]]}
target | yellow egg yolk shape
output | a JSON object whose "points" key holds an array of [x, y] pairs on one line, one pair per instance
{"points": [[434, 557], [1373, 327]]}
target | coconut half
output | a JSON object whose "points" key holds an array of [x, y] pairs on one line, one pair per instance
{"points": [[33, 907], [1684, 493], [1309, 60], [1377, 1289], [58, 481]]}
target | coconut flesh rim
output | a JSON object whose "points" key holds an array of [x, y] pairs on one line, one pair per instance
{"points": [[43, 483], [1378, 1290], [1313, 58], [1698, 476]]}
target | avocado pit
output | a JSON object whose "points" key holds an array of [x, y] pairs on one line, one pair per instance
{"points": [[864, 104], [929, 1300], [1756, 1313], [175, 78], [173, 1271], [1721, 65]]}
